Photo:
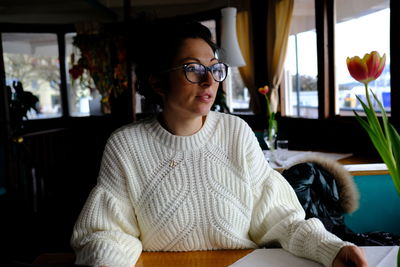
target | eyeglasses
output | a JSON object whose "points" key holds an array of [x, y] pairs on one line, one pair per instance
{"points": [[197, 73]]}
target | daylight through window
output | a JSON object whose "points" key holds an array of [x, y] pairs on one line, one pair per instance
{"points": [[31, 64], [362, 27]]}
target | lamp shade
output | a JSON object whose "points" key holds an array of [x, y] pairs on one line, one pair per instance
{"points": [[231, 53]]}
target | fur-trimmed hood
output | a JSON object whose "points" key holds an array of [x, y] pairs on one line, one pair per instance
{"points": [[349, 195]]}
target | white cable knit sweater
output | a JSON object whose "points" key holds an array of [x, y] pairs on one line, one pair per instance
{"points": [[211, 190]]}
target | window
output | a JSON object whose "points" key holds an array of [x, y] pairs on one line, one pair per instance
{"points": [[32, 60], [240, 98], [301, 70], [80, 98], [361, 27]]}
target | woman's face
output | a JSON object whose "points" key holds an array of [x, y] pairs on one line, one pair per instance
{"points": [[183, 97]]}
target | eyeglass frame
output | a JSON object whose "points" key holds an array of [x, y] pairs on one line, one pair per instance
{"points": [[208, 69]]}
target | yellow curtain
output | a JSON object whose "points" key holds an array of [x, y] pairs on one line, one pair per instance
{"points": [[279, 19], [245, 40]]}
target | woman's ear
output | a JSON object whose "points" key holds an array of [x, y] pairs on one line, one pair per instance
{"points": [[156, 84]]}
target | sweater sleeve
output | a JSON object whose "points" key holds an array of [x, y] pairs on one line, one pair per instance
{"points": [[106, 232], [278, 217]]}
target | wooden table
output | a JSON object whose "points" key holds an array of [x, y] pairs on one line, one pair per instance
{"points": [[343, 158], [215, 258], [365, 161]]}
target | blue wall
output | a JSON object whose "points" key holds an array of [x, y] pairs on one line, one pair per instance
{"points": [[379, 208]]}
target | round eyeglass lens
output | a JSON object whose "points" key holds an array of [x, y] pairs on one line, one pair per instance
{"points": [[195, 72], [219, 71]]}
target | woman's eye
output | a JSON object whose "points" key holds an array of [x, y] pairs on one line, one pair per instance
{"points": [[200, 71], [190, 68], [217, 70]]}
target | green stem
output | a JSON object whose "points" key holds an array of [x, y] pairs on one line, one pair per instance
{"points": [[268, 106], [368, 98], [374, 123], [398, 258]]}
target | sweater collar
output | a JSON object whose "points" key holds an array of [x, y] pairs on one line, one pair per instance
{"points": [[184, 143]]}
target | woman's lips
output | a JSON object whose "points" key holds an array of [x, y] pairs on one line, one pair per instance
{"points": [[205, 98]]}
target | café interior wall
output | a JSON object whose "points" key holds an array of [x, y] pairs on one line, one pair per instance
{"points": [[379, 206]]}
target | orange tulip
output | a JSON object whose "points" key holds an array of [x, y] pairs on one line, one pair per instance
{"points": [[384, 136], [272, 123], [367, 69], [263, 90]]}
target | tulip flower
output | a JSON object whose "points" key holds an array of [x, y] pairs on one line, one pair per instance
{"points": [[264, 90], [272, 123], [367, 69], [386, 140]]}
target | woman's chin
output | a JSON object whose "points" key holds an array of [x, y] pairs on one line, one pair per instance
{"points": [[203, 111]]}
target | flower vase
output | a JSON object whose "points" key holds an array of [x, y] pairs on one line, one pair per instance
{"points": [[270, 140]]}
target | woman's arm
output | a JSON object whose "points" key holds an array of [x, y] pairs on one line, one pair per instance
{"points": [[278, 217], [106, 232]]}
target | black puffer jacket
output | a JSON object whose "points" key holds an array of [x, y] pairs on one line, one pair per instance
{"points": [[327, 191]]}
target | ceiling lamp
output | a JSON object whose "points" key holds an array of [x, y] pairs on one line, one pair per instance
{"points": [[230, 47]]}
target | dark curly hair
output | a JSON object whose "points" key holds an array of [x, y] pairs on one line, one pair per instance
{"points": [[160, 43]]}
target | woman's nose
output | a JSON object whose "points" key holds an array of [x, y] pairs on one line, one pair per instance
{"points": [[208, 79]]}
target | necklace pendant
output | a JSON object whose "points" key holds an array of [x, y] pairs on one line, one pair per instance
{"points": [[172, 163]]}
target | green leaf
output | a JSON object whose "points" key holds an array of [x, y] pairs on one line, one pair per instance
{"points": [[386, 141], [363, 123], [382, 109], [384, 119], [393, 144], [378, 142], [368, 112], [372, 119], [380, 146], [398, 258], [395, 137]]}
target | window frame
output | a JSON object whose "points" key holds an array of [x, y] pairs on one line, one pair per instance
{"points": [[65, 121], [330, 132], [325, 27], [394, 65], [59, 31]]}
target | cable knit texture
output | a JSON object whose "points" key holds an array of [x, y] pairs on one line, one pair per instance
{"points": [[212, 190]]}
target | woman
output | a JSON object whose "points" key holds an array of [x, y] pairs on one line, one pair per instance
{"points": [[189, 178]]}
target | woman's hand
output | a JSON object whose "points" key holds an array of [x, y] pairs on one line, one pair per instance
{"points": [[350, 256]]}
